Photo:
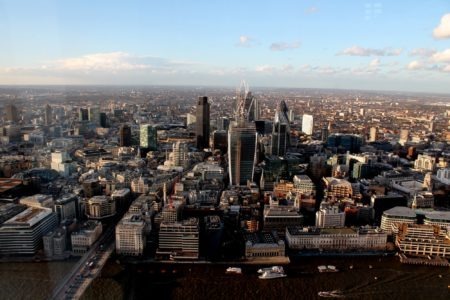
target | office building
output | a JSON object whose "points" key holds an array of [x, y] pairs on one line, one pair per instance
{"points": [[345, 142], [423, 240], [66, 207], [220, 140], [393, 217], [83, 114], [148, 137], [130, 237], [329, 215], [202, 123], [125, 136], [11, 113], [336, 239], [281, 131], [48, 115], [381, 203], [241, 153], [55, 242], [87, 235], [22, 234], [308, 124], [373, 134], [179, 239], [99, 207]]}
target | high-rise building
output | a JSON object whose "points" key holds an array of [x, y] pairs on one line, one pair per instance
{"points": [[94, 114], [220, 140], [246, 103], [11, 113], [281, 130], [130, 237], [241, 153], [308, 124], [324, 134], [202, 123], [48, 115], [180, 239], [148, 137], [373, 134], [83, 114], [125, 136], [223, 123], [103, 120], [404, 136]]}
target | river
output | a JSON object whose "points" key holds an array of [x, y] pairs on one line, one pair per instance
{"points": [[359, 278]]}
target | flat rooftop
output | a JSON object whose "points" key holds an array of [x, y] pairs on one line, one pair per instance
{"points": [[7, 184], [400, 211]]}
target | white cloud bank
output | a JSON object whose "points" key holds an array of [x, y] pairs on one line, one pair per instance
{"points": [[442, 31]]}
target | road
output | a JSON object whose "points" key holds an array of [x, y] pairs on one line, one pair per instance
{"points": [[89, 266]]}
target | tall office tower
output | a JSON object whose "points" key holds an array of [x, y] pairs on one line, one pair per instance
{"points": [[83, 114], [404, 136], [148, 137], [103, 120], [242, 139], [373, 134], [180, 154], [308, 124], [94, 114], [223, 123], [48, 115], [202, 124], [220, 140], [11, 113], [251, 106], [125, 136], [325, 133], [281, 130]]}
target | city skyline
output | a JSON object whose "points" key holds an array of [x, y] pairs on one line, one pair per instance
{"points": [[311, 44]]}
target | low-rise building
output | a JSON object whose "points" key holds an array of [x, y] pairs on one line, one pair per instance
{"points": [[83, 239], [179, 239], [336, 239], [329, 215], [264, 244], [423, 240], [99, 207], [397, 215]]}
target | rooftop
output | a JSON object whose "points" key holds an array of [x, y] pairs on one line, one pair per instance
{"points": [[7, 184], [400, 211]]}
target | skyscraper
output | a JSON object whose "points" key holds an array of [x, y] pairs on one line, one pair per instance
{"points": [[202, 125], [11, 113], [83, 114], [308, 124], [250, 107], [281, 130], [125, 136], [48, 115], [148, 137], [373, 134], [241, 143]]}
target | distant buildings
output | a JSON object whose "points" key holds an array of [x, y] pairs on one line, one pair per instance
{"points": [[241, 152], [11, 113], [125, 136], [202, 123]]}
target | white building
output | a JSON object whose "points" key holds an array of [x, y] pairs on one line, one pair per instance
{"points": [[425, 163], [395, 216], [336, 239], [443, 175], [130, 238], [83, 239], [308, 124], [62, 162], [423, 240], [329, 216]]}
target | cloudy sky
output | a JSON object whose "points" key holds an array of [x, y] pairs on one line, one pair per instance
{"points": [[375, 45]]}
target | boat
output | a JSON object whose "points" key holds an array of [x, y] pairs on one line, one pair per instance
{"points": [[329, 268], [370, 267], [271, 275], [351, 267], [274, 269], [233, 270], [331, 294]]}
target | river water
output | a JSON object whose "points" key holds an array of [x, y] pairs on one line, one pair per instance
{"points": [[368, 278]]}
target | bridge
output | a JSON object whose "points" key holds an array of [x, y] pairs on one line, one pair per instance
{"points": [[88, 267]]}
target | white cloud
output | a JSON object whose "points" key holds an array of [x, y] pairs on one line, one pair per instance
{"points": [[113, 61], [415, 65], [246, 41], [442, 31], [265, 69], [311, 10], [361, 51], [446, 68], [422, 52], [443, 56], [374, 63], [281, 46]]}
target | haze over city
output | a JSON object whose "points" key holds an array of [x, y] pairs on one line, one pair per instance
{"points": [[369, 45]]}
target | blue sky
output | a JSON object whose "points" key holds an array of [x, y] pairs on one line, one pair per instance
{"points": [[376, 45]]}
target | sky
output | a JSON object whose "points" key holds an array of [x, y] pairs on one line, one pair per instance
{"points": [[369, 45]]}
